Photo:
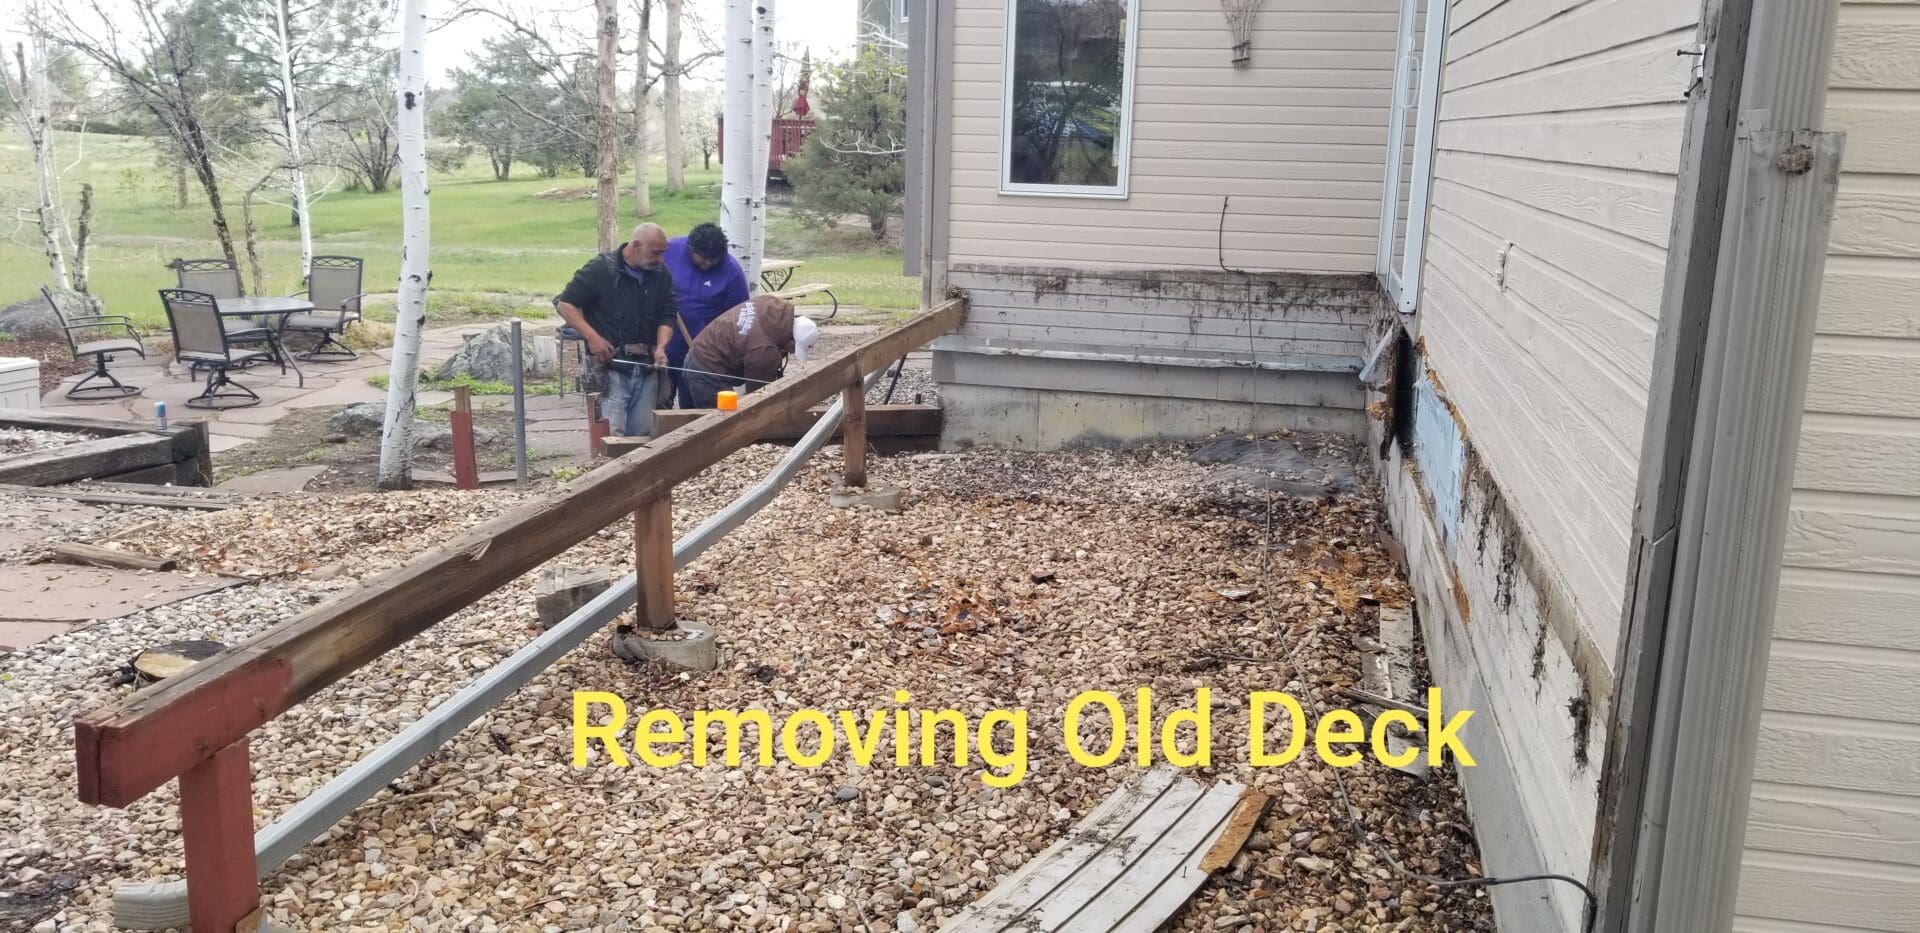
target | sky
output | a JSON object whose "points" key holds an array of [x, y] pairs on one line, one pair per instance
{"points": [[824, 27]]}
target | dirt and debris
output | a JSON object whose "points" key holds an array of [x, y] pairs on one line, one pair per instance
{"points": [[15, 441], [1010, 581]]}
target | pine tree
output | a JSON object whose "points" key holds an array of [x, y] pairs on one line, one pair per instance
{"points": [[855, 161]]}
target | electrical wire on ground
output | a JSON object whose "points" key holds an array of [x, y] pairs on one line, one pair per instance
{"points": [[1354, 822]]}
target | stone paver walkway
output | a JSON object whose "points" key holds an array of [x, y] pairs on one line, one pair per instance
{"points": [[163, 380]]}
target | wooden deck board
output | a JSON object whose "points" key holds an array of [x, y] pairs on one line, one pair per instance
{"points": [[1125, 868]]}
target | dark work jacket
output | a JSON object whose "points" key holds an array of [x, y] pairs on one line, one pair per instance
{"points": [[620, 308]]}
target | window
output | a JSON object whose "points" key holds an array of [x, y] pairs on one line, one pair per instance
{"points": [[1069, 97], [1416, 100], [900, 11]]}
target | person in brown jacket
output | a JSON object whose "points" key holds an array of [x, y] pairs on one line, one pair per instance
{"points": [[749, 344]]}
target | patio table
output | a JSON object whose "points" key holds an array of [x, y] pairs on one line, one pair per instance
{"points": [[260, 306], [780, 267]]}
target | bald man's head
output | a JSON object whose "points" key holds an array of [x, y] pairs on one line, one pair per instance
{"points": [[645, 248]]}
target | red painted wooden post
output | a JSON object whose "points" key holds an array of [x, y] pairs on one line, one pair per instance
{"points": [[596, 426], [466, 472], [216, 822]]}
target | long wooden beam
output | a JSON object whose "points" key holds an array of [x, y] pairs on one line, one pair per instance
{"points": [[882, 421], [127, 750]]}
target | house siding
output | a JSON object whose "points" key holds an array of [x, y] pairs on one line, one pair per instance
{"points": [[1833, 835], [1112, 320], [1557, 144], [1298, 141]]}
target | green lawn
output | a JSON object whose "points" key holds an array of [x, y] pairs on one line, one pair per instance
{"points": [[488, 236]]}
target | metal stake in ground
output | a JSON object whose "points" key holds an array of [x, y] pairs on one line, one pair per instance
{"points": [[519, 409]]}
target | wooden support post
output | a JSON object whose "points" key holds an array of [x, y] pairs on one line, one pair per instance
{"points": [[216, 823], [853, 434], [466, 472], [596, 425], [653, 562]]}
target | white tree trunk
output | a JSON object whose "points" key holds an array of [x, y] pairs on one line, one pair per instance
{"points": [[763, 98], [606, 129], [642, 194], [670, 101], [295, 162], [410, 316], [736, 160], [38, 126]]}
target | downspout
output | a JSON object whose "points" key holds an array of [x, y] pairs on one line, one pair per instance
{"points": [[1752, 211]]}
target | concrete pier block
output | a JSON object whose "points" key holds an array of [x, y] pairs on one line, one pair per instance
{"points": [[557, 596]]}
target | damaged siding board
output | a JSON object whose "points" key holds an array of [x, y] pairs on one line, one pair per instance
{"points": [[1559, 136], [1298, 141], [1527, 817], [1833, 836]]}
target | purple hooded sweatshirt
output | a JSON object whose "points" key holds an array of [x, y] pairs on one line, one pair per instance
{"points": [[703, 295]]}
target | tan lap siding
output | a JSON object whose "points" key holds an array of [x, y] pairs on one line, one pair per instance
{"points": [[1298, 141], [1833, 839]]}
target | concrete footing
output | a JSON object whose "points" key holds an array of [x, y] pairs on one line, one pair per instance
{"points": [[558, 596], [884, 498], [689, 646]]}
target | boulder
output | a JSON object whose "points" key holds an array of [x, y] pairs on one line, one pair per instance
{"points": [[32, 319], [432, 435], [361, 419], [488, 357]]}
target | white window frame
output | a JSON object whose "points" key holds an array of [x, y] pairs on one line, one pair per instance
{"points": [[1403, 284], [1123, 146], [901, 11]]}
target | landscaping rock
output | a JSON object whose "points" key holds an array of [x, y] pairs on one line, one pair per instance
{"points": [[488, 357], [31, 318], [432, 435], [363, 418]]}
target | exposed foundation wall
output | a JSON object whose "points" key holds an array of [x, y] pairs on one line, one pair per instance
{"points": [[1503, 640], [1052, 357]]}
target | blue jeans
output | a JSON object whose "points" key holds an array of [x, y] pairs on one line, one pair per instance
{"points": [[628, 404]]}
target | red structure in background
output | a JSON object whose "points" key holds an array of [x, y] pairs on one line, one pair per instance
{"points": [[789, 135]]}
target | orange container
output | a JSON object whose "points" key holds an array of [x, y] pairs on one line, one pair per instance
{"points": [[727, 400]]}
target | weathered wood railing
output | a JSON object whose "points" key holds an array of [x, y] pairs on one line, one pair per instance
{"points": [[195, 726]]}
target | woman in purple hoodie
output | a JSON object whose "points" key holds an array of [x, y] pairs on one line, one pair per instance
{"points": [[709, 283]]}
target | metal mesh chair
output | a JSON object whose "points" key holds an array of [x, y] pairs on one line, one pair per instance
{"points": [[216, 277], [99, 336], [333, 285], [201, 342], [221, 279]]}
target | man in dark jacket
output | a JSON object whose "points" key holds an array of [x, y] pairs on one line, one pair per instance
{"points": [[622, 303], [749, 345]]}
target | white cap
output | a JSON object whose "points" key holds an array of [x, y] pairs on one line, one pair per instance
{"points": [[805, 332]]}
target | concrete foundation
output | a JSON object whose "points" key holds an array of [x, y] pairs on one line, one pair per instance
{"points": [[1047, 419], [884, 498], [691, 647]]}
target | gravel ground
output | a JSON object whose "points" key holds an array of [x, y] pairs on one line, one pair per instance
{"points": [[14, 441], [1010, 580]]}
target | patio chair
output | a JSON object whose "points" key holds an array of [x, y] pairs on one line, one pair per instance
{"points": [[333, 285], [200, 342], [99, 336], [221, 279]]}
